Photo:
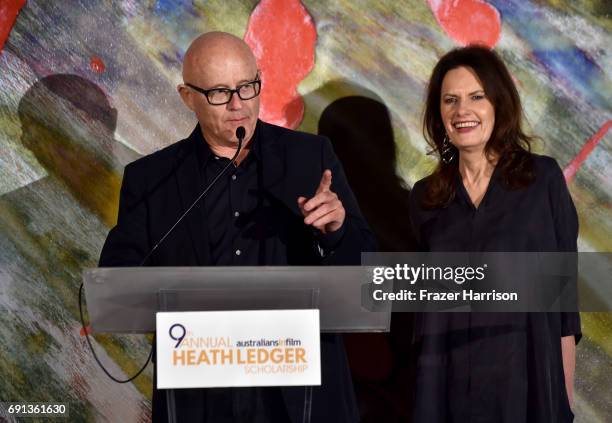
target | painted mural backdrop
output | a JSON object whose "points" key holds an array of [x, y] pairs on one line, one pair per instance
{"points": [[88, 86]]}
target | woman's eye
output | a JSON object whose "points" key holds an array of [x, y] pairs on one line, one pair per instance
{"points": [[449, 100], [477, 97]]}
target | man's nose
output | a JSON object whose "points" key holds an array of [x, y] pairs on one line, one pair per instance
{"points": [[235, 102]]}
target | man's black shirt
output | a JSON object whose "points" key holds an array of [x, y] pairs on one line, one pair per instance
{"points": [[233, 208], [239, 217]]}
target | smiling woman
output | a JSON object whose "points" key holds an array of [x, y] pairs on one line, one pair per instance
{"points": [[490, 194]]}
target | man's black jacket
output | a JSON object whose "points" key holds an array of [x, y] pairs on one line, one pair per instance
{"points": [[158, 188]]}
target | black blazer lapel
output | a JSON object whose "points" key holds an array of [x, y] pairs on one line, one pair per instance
{"points": [[273, 158], [188, 184]]}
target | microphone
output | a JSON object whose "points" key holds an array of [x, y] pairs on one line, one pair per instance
{"points": [[240, 134]]}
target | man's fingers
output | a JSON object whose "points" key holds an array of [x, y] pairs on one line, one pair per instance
{"points": [[320, 211], [322, 195], [318, 199], [325, 183], [301, 201], [330, 221]]}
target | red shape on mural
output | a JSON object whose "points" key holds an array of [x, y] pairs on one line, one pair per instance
{"points": [[87, 328], [9, 9], [97, 64], [282, 35], [570, 171], [468, 21]]}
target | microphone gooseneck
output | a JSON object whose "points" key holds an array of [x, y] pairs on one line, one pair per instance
{"points": [[240, 134]]}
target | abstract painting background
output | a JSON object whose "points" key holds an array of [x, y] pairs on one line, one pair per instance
{"points": [[86, 87]]}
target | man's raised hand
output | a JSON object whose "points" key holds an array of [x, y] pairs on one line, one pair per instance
{"points": [[324, 211]]}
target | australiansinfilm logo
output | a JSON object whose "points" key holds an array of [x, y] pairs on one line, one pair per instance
{"points": [[255, 356], [427, 283]]}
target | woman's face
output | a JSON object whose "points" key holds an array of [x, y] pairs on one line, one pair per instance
{"points": [[467, 113]]}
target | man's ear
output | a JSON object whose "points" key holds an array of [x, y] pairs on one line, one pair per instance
{"points": [[186, 95]]}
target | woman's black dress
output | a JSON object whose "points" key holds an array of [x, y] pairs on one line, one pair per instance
{"points": [[496, 367]]}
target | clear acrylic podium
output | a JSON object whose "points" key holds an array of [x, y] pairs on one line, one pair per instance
{"points": [[125, 300]]}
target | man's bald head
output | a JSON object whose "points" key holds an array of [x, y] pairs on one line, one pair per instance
{"points": [[217, 60], [211, 48]]}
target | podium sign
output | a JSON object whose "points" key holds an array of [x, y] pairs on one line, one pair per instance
{"points": [[209, 349]]}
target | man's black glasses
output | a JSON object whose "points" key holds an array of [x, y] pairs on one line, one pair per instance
{"points": [[220, 96]]}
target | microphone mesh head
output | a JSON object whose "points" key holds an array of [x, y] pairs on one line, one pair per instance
{"points": [[240, 132]]}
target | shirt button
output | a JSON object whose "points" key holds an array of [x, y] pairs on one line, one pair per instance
{"points": [[233, 177], [236, 214], [216, 157], [238, 252]]}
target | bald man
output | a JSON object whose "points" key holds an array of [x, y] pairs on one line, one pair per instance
{"points": [[283, 201]]}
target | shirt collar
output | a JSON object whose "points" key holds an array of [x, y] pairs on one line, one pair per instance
{"points": [[461, 193], [205, 153]]}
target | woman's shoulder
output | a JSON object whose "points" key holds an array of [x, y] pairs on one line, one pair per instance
{"points": [[546, 168], [419, 188], [418, 211], [544, 163]]}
